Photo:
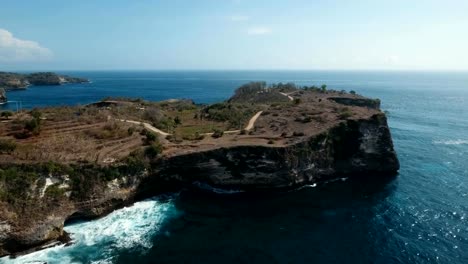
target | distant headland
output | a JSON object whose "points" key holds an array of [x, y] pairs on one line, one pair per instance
{"points": [[15, 81]]}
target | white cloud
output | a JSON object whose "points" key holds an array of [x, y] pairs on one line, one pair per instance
{"points": [[239, 18], [259, 31], [13, 49]]}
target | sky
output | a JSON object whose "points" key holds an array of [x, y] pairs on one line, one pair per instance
{"points": [[233, 35]]}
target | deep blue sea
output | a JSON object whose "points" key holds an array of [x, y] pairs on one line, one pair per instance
{"points": [[420, 216]]}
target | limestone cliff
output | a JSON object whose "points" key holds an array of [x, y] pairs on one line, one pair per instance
{"points": [[352, 148]]}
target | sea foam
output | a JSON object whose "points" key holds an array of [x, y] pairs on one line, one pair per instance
{"points": [[98, 241], [451, 142]]}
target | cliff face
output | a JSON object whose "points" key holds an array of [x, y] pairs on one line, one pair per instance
{"points": [[353, 148], [35, 215]]}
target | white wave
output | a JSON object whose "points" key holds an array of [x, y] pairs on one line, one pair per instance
{"points": [[451, 142], [96, 241]]}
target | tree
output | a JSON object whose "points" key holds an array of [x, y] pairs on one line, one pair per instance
{"points": [[352, 92], [324, 87], [177, 120]]}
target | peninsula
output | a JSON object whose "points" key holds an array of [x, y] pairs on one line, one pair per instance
{"points": [[64, 163]]}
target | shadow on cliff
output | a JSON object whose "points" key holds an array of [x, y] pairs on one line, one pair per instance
{"points": [[275, 227]]}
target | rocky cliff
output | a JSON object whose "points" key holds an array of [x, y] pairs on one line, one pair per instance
{"points": [[310, 138], [352, 148]]}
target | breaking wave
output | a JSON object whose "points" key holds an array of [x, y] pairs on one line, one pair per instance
{"points": [[130, 228]]}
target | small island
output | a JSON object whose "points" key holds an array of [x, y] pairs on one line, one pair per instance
{"points": [[64, 163], [17, 81]]}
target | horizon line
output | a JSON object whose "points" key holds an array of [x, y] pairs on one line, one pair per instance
{"points": [[252, 70]]}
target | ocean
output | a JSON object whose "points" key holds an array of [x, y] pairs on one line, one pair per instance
{"points": [[420, 216]]}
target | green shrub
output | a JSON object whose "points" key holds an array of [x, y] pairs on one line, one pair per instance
{"points": [[135, 162], [297, 101], [217, 133], [36, 114], [33, 126], [54, 192], [130, 131], [7, 146], [153, 150], [345, 115], [6, 114], [177, 120], [150, 137]]}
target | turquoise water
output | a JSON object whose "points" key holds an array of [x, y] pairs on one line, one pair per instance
{"points": [[418, 217]]}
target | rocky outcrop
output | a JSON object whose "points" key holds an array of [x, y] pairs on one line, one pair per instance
{"points": [[357, 101], [3, 98], [37, 222], [353, 148]]}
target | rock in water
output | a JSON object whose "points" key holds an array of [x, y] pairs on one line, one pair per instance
{"points": [[3, 98]]}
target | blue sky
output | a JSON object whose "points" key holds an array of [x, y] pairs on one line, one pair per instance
{"points": [[233, 34]]}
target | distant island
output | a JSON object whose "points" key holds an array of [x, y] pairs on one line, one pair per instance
{"points": [[63, 163], [15, 81]]}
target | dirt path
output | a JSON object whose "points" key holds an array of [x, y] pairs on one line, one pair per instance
{"points": [[252, 120], [287, 95], [249, 126], [147, 126]]}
